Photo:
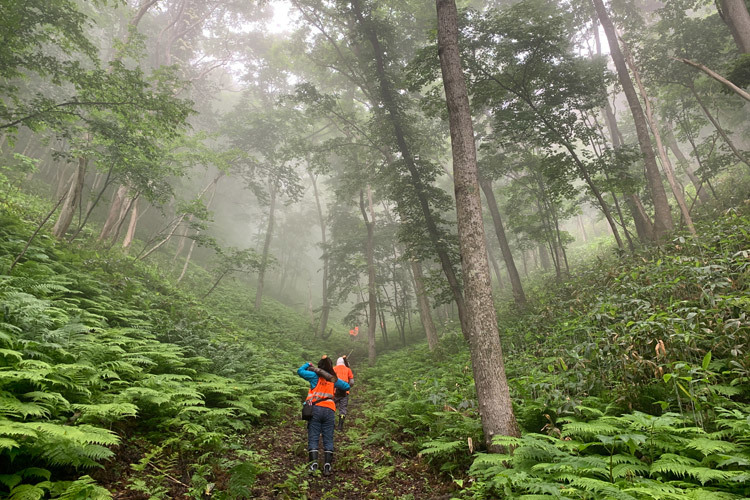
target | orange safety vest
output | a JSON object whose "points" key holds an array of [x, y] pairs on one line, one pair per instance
{"points": [[324, 389], [344, 373]]}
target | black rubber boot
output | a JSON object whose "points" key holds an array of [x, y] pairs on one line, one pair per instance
{"points": [[327, 467], [313, 458], [341, 422]]}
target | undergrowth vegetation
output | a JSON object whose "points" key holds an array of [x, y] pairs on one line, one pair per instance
{"points": [[99, 354], [631, 380]]}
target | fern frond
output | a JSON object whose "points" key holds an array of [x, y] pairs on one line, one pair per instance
{"points": [[710, 446], [12, 407], [8, 444], [83, 434], [28, 492], [602, 426], [10, 354], [107, 412], [602, 489], [439, 447], [628, 471], [85, 488], [687, 467]]}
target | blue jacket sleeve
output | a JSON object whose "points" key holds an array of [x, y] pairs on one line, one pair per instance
{"points": [[306, 374], [340, 384]]}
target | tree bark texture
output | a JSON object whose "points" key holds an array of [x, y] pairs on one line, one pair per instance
{"points": [[662, 217], [493, 393], [735, 15]]}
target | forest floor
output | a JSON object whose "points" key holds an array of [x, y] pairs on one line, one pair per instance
{"points": [[361, 470]]}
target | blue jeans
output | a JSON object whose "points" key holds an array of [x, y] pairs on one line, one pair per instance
{"points": [[323, 421]]}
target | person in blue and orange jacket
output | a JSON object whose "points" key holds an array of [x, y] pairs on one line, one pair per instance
{"points": [[323, 382], [341, 398]]}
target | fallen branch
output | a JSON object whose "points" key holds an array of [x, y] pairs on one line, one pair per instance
{"points": [[171, 478], [745, 95]]}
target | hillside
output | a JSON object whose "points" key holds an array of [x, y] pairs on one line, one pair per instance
{"points": [[525, 224], [630, 380], [110, 371]]}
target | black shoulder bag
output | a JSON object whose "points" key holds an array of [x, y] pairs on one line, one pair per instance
{"points": [[307, 408]]}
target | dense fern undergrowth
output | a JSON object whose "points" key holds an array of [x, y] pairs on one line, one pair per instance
{"points": [[630, 381], [99, 353]]}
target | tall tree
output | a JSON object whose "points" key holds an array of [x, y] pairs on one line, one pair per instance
{"points": [[370, 256], [663, 217], [480, 324], [510, 264], [395, 116]]}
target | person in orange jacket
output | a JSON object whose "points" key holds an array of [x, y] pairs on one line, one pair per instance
{"points": [[341, 397], [323, 382]]}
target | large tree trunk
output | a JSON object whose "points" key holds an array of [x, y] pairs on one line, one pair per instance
{"points": [[266, 247], [493, 395], [666, 164], [663, 217], [130, 233], [370, 256], [326, 307], [425, 313], [72, 200], [388, 95], [115, 212], [510, 264], [63, 180], [735, 15]]}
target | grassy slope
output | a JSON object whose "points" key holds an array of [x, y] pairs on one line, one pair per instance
{"points": [[104, 361], [630, 380]]}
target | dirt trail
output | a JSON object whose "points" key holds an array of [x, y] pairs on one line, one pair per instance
{"points": [[361, 470]]}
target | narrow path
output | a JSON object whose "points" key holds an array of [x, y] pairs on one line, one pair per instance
{"points": [[361, 470]]}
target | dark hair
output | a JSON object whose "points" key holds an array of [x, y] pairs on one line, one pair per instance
{"points": [[346, 361], [325, 364]]}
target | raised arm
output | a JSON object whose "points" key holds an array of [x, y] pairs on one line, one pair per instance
{"points": [[304, 372], [340, 384]]}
